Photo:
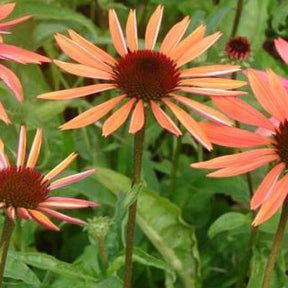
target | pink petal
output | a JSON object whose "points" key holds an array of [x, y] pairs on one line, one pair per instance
{"points": [[67, 203]]}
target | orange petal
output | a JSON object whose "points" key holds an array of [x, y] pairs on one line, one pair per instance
{"points": [[6, 9], [266, 187], [198, 48], [210, 91], [174, 35], [3, 115], [204, 110], [23, 213], [218, 83], [153, 27], [206, 71], [117, 118], [282, 48], [10, 212], [73, 93], [233, 137], [116, 33], [131, 31], [164, 120], [190, 124], [189, 41], [14, 22], [21, 151], [137, 118], [271, 205], [99, 53], [42, 220], [60, 167], [35, 149], [243, 112], [83, 71], [93, 114]]}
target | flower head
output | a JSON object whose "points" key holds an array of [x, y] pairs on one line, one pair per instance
{"points": [[238, 48], [13, 53], [146, 77], [272, 133], [24, 191]]}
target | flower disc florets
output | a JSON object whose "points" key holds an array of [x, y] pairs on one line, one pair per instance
{"points": [[22, 187], [281, 142], [146, 75], [238, 48]]}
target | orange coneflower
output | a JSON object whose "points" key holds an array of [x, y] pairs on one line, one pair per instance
{"points": [[24, 190], [13, 53], [146, 77], [272, 133], [238, 48]]}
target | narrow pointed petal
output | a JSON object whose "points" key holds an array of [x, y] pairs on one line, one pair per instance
{"points": [[12, 81], [83, 71], [117, 118], [131, 31], [238, 170], [43, 220], [218, 83], [195, 37], [66, 203], [266, 187], [14, 22], [243, 112], [174, 35], [61, 216], [233, 137], [153, 28], [98, 52], [210, 91], [137, 118], [207, 71], [190, 124], [204, 110], [164, 120], [282, 48], [35, 149], [234, 160], [70, 179], [6, 9], [23, 213], [73, 93], [93, 114], [21, 150], [60, 167], [198, 49], [10, 212], [117, 34], [271, 205], [3, 115], [2, 205], [78, 53]]}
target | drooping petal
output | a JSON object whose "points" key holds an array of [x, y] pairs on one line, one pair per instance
{"points": [[282, 48], [70, 179], [12, 81], [73, 93], [204, 110], [93, 114], [23, 213], [116, 33], [190, 124], [131, 31], [21, 150], [35, 149], [14, 22], [6, 9], [218, 83], [10, 212], [3, 115], [266, 187], [4, 161], [83, 71], [153, 28], [137, 118], [233, 137], [43, 220], [199, 48], [66, 203], [243, 112], [174, 35], [207, 71], [117, 118], [211, 91]]}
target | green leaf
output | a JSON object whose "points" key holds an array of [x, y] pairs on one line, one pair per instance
{"points": [[279, 19]]}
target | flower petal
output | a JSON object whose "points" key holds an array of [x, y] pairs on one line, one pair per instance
{"points": [[14, 22], [131, 31], [23, 213], [3, 115], [67, 203], [210, 91], [6, 9], [10, 212], [282, 48], [21, 150], [43, 220], [218, 83], [35, 149], [137, 118]]}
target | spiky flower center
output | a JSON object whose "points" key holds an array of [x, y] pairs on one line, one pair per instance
{"points": [[146, 75], [281, 142], [22, 187], [238, 48]]}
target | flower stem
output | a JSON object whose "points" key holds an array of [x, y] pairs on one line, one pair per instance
{"points": [[4, 244], [276, 245], [175, 158], [239, 9], [136, 178]]}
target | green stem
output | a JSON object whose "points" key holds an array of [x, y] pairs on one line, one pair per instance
{"points": [[175, 158], [4, 244], [276, 245], [239, 9], [102, 251], [136, 178]]}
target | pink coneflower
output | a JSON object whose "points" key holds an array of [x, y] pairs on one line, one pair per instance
{"points": [[13, 53], [24, 191], [274, 134], [146, 78]]}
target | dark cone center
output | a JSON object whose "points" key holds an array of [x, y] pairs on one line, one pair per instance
{"points": [[281, 142]]}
